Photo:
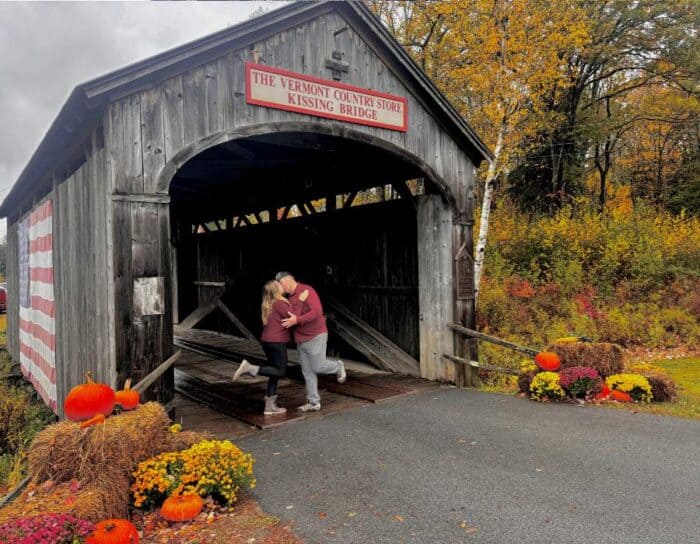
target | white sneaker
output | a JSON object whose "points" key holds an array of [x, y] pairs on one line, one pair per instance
{"points": [[308, 407], [245, 368], [341, 374]]}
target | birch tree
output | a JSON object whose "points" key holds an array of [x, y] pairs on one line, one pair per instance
{"points": [[500, 62]]}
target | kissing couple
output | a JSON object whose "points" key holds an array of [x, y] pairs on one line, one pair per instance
{"points": [[299, 313]]}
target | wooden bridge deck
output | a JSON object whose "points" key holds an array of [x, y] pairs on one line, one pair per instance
{"points": [[209, 359]]}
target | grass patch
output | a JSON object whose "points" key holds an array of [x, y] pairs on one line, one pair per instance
{"points": [[686, 373]]}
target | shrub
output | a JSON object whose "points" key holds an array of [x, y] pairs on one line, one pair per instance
{"points": [[663, 387], [580, 381], [635, 384], [46, 528], [627, 278], [545, 385], [210, 467]]}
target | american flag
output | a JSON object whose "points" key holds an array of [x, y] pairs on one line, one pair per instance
{"points": [[37, 311]]}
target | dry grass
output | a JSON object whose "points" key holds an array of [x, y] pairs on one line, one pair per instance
{"points": [[606, 358]]}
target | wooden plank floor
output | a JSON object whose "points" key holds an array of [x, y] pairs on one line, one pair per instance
{"points": [[203, 380], [215, 343]]}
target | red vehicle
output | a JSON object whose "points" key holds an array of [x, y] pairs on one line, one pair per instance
{"points": [[3, 298]]}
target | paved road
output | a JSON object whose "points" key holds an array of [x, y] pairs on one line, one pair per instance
{"points": [[451, 466]]}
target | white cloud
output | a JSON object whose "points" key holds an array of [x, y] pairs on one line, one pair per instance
{"points": [[47, 48]]}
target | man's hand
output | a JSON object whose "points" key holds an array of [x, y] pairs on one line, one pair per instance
{"points": [[290, 321]]}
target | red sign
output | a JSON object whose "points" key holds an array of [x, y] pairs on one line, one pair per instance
{"points": [[290, 91]]}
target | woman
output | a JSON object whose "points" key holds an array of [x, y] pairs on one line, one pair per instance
{"points": [[274, 340]]}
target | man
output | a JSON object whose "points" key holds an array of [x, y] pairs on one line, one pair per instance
{"points": [[311, 336]]}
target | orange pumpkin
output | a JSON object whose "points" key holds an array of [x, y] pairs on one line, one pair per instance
{"points": [[620, 396], [94, 420], [548, 361], [127, 398], [181, 507], [89, 399], [604, 393], [114, 531]]}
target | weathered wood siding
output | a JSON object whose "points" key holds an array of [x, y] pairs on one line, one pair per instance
{"points": [[435, 279], [83, 286], [82, 278], [149, 134], [12, 267]]}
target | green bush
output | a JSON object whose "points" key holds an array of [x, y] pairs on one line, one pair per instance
{"points": [[631, 278]]}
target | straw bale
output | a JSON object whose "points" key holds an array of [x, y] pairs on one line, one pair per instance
{"points": [[64, 451], [606, 358], [93, 502], [98, 459]]}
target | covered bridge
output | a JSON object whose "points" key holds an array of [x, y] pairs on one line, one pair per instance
{"points": [[181, 183]]}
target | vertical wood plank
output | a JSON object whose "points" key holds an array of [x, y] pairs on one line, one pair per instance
{"points": [[435, 287], [152, 137], [172, 98], [194, 105]]}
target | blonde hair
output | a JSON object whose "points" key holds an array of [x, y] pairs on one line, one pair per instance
{"points": [[271, 292]]}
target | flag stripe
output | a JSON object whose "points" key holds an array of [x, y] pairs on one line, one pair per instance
{"points": [[37, 312], [41, 243], [48, 338], [44, 275]]}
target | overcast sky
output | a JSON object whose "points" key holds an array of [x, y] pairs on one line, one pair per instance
{"points": [[47, 48]]}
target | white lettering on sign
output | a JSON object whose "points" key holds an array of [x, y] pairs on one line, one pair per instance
{"points": [[284, 90]]}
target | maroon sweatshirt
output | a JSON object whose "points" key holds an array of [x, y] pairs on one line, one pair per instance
{"points": [[309, 312], [274, 331]]}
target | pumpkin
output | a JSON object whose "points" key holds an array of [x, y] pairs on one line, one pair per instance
{"points": [[548, 361], [114, 531], [181, 507], [620, 396], [604, 393], [94, 420], [127, 398], [89, 399]]}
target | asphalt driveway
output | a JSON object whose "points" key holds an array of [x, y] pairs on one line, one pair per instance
{"points": [[453, 466]]}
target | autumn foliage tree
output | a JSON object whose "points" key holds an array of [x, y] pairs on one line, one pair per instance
{"points": [[552, 87], [500, 62]]}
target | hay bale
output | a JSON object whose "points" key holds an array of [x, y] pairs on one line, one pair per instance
{"points": [[64, 452], [606, 358], [99, 460], [92, 502]]}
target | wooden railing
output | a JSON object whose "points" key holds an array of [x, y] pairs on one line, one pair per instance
{"points": [[459, 329]]}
